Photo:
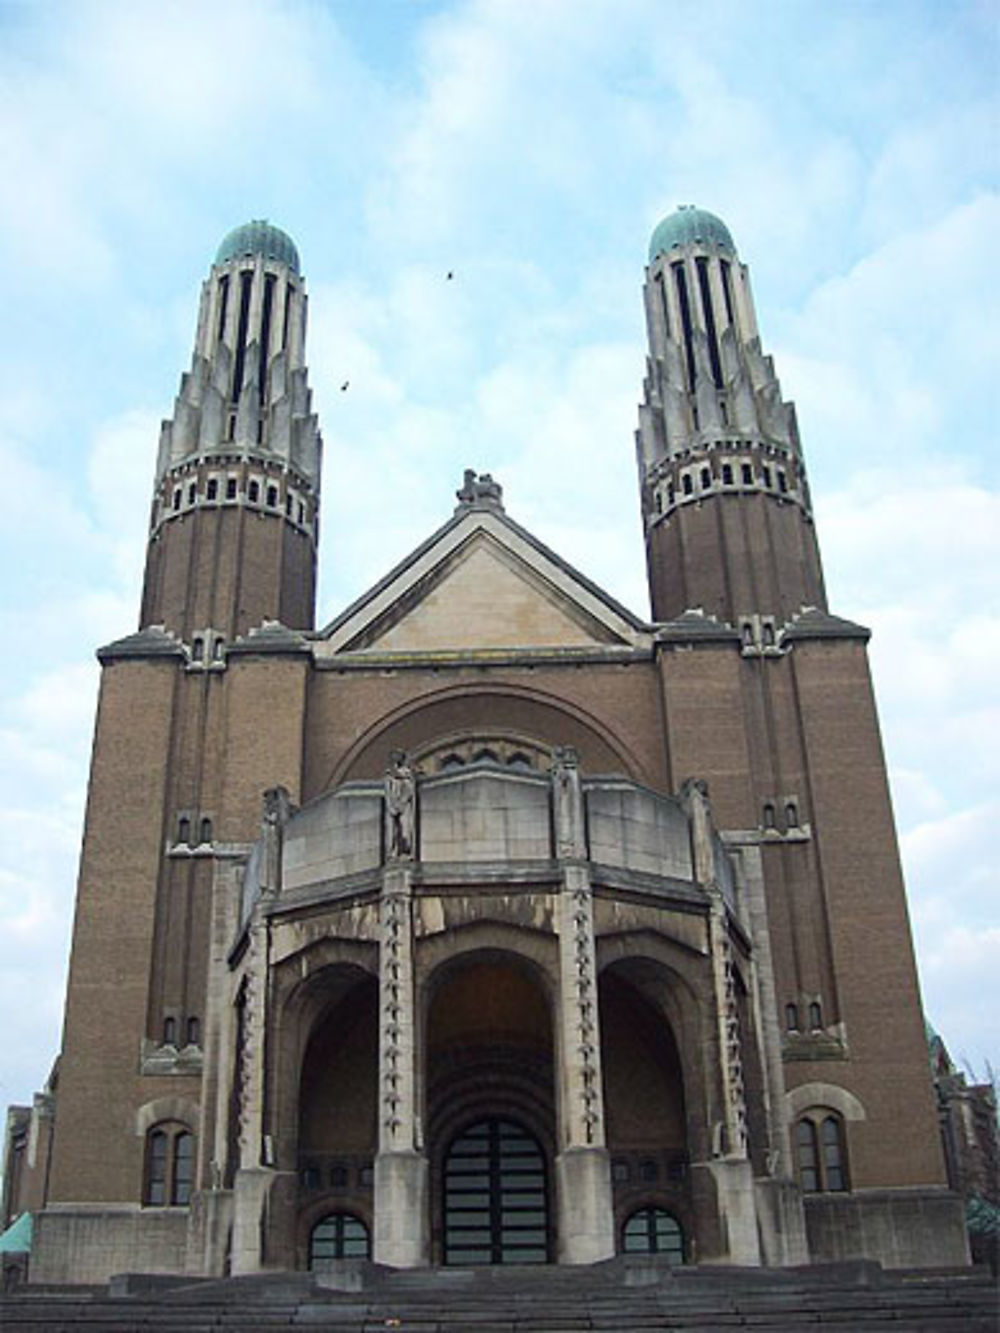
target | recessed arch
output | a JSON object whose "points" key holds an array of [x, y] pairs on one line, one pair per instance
{"points": [[516, 708], [808, 1095]]}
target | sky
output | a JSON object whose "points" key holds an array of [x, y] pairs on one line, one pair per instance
{"points": [[529, 146]]}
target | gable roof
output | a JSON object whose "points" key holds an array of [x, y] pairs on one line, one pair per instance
{"points": [[482, 582]]}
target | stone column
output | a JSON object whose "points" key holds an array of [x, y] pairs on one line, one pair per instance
{"points": [[583, 1169], [401, 1176], [253, 1178]]}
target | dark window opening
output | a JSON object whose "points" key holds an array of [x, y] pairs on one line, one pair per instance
{"points": [[192, 493], [197, 648], [659, 502], [746, 472], [727, 291], [792, 1017], [748, 635], [648, 1170], [485, 756], [452, 761], [792, 815], [654, 1231], [767, 631], [782, 482], [205, 832], [302, 512], [619, 1171], [338, 1177], [288, 505], [211, 489], [169, 1031], [337, 1236], [230, 488], [706, 478], [727, 474], [310, 1178], [288, 310], [766, 474], [246, 281], [180, 1193], [821, 1154], [519, 760], [701, 264], [807, 1156], [687, 486], [253, 492], [193, 1031], [272, 497], [769, 815], [265, 334], [815, 1016], [723, 411], [184, 829], [223, 306], [680, 281]]}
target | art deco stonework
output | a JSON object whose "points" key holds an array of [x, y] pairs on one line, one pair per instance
{"points": [[490, 923]]}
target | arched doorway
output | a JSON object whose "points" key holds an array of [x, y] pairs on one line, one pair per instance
{"points": [[496, 1197], [490, 1097]]}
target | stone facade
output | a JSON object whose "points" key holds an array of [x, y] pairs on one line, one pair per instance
{"points": [[489, 923]]}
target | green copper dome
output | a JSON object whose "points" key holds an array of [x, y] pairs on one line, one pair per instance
{"points": [[686, 226], [259, 238]]}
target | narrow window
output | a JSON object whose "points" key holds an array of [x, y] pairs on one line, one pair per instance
{"points": [[648, 1170], [217, 650], [706, 478], [782, 482], [723, 411], [265, 334], [338, 1177], [193, 1032], [169, 1031], [815, 1016], [727, 474], [310, 1178], [302, 512], [246, 281], [288, 310], [205, 833], [177, 498], [680, 281], [833, 1154], [253, 492], [156, 1168], [183, 1172], [807, 1154], [288, 505], [686, 484], [670, 492], [746, 472], [192, 493], [791, 814], [230, 488], [619, 1171], [769, 815], [659, 502], [197, 649], [768, 634], [272, 497], [212, 489], [184, 829], [701, 264], [766, 474], [792, 1017], [727, 291], [223, 306], [747, 635]]}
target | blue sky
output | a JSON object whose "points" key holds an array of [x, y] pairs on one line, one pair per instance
{"points": [[531, 148]]}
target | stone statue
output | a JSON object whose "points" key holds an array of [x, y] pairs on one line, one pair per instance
{"points": [[567, 801], [400, 807]]}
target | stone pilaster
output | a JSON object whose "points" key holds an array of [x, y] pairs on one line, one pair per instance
{"points": [[401, 1177], [583, 1172], [253, 1177]]}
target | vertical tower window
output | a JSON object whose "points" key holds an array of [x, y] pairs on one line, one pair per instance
{"points": [[246, 282], [782, 482], [769, 821], [746, 472], [169, 1031], [687, 486], [272, 497], [230, 488], [212, 489], [265, 334], [791, 814], [727, 291], [192, 493], [193, 1032], [727, 474], [766, 474], [807, 1156], [815, 1016], [792, 1017], [706, 478], [253, 492], [701, 265], [177, 498], [205, 832], [223, 306], [680, 282], [184, 829]]}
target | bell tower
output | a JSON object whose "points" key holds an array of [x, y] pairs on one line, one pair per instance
{"points": [[725, 501], [234, 520]]}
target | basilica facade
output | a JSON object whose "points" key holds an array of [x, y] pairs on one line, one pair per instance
{"points": [[490, 923]]}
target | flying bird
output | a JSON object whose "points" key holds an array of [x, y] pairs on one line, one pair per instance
{"points": [[449, 275], [344, 386]]}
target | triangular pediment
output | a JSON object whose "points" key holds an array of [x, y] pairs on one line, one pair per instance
{"points": [[482, 584]]}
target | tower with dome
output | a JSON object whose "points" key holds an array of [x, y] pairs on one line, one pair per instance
{"points": [[493, 922]]}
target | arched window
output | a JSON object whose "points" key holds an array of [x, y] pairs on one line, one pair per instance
{"points": [[815, 1016], [169, 1031], [337, 1236], [820, 1152], [769, 819], [792, 814], [495, 1196], [169, 1165], [654, 1231], [792, 1017], [205, 831]]}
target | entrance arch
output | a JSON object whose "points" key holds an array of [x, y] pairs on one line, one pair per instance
{"points": [[496, 1196], [490, 1098]]}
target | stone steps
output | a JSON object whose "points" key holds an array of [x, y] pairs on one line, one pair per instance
{"points": [[613, 1299]]}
